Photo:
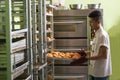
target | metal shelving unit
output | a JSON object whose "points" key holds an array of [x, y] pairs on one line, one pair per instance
{"points": [[42, 36], [49, 35], [15, 59], [40, 31], [37, 40]]}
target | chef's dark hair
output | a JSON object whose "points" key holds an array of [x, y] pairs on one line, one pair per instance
{"points": [[96, 15]]}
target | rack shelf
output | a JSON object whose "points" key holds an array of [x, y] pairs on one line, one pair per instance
{"points": [[18, 35], [19, 45], [19, 70], [17, 58], [40, 66]]}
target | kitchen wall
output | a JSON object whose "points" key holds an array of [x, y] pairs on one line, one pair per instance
{"points": [[111, 25]]}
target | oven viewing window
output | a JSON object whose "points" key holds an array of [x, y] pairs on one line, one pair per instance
{"points": [[70, 29], [65, 28]]}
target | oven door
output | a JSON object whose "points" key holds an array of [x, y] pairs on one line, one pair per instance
{"points": [[70, 44], [70, 29], [68, 72]]}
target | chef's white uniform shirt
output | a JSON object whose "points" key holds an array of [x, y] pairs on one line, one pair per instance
{"points": [[102, 67]]}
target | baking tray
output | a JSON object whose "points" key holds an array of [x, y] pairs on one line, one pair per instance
{"points": [[54, 58], [69, 60]]}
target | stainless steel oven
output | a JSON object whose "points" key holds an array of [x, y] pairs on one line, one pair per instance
{"points": [[70, 31]]}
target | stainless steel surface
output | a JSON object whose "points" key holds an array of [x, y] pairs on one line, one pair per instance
{"points": [[71, 72], [69, 50], [70, 77], [70, 44], [94, 6], [69, 22], [75, 6], [61, 60], [71, 69], [74, 13]]}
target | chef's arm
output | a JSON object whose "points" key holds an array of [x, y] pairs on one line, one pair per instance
{"points": [[88, 52], [101, 55]]}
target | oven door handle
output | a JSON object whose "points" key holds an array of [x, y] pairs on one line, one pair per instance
{"points": [[70, 22]]}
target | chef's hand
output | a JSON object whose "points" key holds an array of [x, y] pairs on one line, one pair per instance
{"points": [[82, 52], [84, 58]]}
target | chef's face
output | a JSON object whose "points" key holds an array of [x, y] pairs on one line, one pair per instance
{"points": [[93, 23]]}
